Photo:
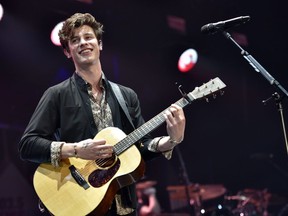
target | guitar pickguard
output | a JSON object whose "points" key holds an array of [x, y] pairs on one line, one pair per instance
{"points": [[100, 177]]}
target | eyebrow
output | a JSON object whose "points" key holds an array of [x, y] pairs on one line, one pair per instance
{"points": [[87, 33]]}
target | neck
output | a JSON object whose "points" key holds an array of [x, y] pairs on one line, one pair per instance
{"points": [[91, 74]]}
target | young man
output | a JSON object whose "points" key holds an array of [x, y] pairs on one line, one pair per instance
{"points": [[71, 113]]}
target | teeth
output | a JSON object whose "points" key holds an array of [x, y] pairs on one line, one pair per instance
{"points": [[85, 51]]}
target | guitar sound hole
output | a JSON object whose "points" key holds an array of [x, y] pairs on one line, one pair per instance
{"points": [[101, 176], [105, 163]]}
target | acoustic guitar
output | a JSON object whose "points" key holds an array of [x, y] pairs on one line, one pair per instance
{"points": [[87, 187]]}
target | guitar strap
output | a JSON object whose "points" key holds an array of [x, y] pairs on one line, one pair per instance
{"points": [[121, 101]]}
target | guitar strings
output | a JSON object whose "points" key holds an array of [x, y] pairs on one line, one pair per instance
{"points": [[125, 142], [128, 139], [98, 162]]}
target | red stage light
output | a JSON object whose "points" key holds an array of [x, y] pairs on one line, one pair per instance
{"points": [[187, 60], [1, 11], [54, 34]]}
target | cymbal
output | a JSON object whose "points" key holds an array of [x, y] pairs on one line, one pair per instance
{"points": [[259, 197], [145, 184], [256, 197], [205, 192]]}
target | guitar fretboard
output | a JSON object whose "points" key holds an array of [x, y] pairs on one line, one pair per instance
{"points": [[146, 128]]}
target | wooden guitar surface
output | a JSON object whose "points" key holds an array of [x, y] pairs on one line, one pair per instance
{"points": [[62, 195]]}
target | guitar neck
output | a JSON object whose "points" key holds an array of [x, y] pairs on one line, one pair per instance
{"points": [[146, 128], [199, 92]]}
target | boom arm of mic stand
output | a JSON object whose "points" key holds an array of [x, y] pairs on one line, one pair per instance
{"points": [[256, 65], [258, 68]]}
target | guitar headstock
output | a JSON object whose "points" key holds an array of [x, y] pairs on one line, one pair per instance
{"points": [[206, 89]]}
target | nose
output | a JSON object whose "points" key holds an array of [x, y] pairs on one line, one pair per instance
{"points": [[82, 41]]}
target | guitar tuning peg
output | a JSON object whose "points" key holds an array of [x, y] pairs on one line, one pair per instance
{"points": [[214, 96], [221, 93], [207, 100]]}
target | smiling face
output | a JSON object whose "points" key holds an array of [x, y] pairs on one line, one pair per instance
{"points": [[84, 48]]}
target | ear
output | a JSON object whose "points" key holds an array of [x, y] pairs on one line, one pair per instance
{"points": [[67, 53], [100, 45]]}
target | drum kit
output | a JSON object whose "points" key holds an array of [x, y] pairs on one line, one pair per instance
{"points": [[253, 202], [212, 200]]}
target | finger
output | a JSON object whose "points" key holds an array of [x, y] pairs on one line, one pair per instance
{"points": [[175, 106], [178, 108], [106, 150], [99, 141], [173, 113], [169, 120], [173, 109], [103, 154]]}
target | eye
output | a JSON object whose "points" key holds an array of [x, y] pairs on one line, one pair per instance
{"points": [[89, 37], [74, 40]]}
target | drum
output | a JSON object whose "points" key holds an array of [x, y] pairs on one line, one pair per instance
{"points": [[204, 198]]}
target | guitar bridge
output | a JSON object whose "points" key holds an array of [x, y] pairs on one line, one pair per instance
{"points": [[78, 177]]}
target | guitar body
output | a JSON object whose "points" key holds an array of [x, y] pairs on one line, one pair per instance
{"points": [[63, 196]]}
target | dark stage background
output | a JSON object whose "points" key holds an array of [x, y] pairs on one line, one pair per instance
{"points": [[234, 140]]}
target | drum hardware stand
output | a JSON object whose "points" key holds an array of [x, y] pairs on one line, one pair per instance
{"points": [[196, 203], [193, 204], [260, 69], [278, 101]]}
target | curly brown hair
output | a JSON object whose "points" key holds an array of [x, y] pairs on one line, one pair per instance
{"points": [[75, 21]]}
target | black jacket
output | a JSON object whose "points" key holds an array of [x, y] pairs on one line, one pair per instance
{"points": [[64, 114]]}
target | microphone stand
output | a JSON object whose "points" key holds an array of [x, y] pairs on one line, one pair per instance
{"points": [[258, 68]]}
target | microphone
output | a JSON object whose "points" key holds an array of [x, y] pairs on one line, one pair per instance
{"points": [[213, 28]]}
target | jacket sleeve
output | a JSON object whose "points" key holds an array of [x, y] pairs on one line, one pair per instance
{"points": [[35, 143]]}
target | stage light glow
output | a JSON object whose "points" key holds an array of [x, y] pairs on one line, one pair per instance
{"points": [[187, 60], [54, 34], [1, 11]]}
